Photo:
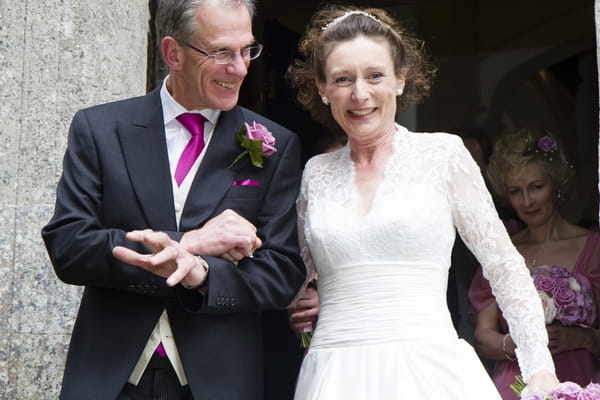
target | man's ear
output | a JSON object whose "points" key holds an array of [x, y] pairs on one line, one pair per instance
{"points": [[171, 52]]}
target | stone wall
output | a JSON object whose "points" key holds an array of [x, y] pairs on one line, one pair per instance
{"points": [[56, 56]]}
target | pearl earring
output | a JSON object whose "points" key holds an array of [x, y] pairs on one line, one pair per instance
{"points": [[399, 92], [325, 100]]}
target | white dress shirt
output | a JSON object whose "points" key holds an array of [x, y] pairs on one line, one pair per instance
{"points": [[177, 137]]}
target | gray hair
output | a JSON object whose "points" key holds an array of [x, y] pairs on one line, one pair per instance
{"points": [[177, 18]]}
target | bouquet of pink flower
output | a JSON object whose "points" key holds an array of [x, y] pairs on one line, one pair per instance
{"points": [[564, 391], [567, 298]]}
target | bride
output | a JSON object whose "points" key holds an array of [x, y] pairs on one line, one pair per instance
{"points": [[377, 221]]}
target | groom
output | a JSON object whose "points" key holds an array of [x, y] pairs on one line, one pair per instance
{"points": [[138, 165]]}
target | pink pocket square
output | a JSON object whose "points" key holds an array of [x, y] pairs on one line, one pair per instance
{"points": [[245, 182]]}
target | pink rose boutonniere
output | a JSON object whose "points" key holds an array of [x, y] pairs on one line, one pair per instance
{"points": [[257, 141]]}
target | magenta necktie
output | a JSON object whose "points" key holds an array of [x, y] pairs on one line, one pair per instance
{"points": [[161, 350], [194, 123]]}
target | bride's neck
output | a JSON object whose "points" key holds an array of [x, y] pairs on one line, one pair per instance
{"points": [[371, 151]]}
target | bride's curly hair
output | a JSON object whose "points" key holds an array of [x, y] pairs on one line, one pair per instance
{"points": [[337, 23]]}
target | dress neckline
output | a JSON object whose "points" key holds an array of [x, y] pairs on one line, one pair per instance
{"points": [[351, 175]]}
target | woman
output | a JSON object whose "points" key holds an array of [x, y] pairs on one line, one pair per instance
{"points": [[529, 170], [377, 221]]}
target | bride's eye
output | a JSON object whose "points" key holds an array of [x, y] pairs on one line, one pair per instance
{"points": [[342, 81]]}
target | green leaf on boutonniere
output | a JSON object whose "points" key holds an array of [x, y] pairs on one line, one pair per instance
{"points": [[254, 147]]}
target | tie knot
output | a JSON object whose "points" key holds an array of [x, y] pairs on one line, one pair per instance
{"points": [[193, 122]]}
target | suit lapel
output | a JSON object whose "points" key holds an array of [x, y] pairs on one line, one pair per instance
{"points": [[214, 177], [145, 153]]}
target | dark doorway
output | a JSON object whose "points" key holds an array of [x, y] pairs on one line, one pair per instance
{"points": [[501, 65]]}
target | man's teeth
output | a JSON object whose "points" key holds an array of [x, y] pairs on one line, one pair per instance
{"points": [[226, 85]]}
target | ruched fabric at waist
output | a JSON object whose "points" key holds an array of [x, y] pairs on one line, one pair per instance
{"points": [[367, 304]]}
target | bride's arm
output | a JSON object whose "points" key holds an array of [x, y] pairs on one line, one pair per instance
{"points": [[477, 222], [301, 208]]}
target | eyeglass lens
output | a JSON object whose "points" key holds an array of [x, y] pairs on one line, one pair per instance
{"points": [[247, 53]]}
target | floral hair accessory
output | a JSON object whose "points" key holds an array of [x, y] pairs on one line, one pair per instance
{"points": [[346, 15], [257, 141], [547, 144]]}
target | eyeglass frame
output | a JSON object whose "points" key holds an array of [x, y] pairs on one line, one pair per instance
{"points": [[229, 52]]}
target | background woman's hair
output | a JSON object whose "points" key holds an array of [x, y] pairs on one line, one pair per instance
{"points": [[517, 149]]}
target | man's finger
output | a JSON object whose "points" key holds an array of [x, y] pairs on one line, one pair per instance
{"points": [[131, 257]]}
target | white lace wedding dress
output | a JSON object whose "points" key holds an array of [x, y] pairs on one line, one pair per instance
{"points": [[384, 330]]}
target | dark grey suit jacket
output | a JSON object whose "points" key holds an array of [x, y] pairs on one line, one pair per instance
{"points": [[115, 179]]}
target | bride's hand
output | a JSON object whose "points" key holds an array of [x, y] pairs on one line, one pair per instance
{"points": [[542, 381], [303, 312]]}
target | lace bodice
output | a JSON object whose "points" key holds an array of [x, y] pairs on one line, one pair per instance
{"points": [[391, 264]]}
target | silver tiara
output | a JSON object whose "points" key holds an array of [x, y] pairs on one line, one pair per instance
{"points": [[346, 15]]}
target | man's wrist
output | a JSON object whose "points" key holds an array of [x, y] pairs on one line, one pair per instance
{"points": [[202, 284]]}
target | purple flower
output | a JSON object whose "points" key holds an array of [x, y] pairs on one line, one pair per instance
{"points": [[593, 388], [512, 226], [546, 144], [260, 132], [568, 314], [257, 142], [544, 282], [559, 272], [571, 294], [587, 395], [563, 295], [566, 391], [534, 396]]}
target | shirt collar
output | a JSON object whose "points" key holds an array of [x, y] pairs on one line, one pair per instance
{"points": [[171, 108]]}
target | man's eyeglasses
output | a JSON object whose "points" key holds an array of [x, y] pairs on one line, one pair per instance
{"points": [[227, 56]]}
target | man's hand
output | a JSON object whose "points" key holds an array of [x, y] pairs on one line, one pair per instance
{"points": [[228, 235], [169, 259]]}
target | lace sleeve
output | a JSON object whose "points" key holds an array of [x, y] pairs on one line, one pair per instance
{"points": [[301, 207], [479, 226]]}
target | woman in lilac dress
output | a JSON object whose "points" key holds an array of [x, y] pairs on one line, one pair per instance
{"points": [[529, 170]]}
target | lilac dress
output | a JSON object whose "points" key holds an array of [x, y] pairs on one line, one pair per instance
{"points": [[579, 366]]}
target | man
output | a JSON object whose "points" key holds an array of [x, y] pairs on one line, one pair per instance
{"points": [[223, 235]]}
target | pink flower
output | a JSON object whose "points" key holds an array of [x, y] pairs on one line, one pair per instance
{"points": [[257, 142], [566, 391], [534, 396], [260, 132], [563, 294], [587, 395], [571, 294], [543, 280], [593, 388]]}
